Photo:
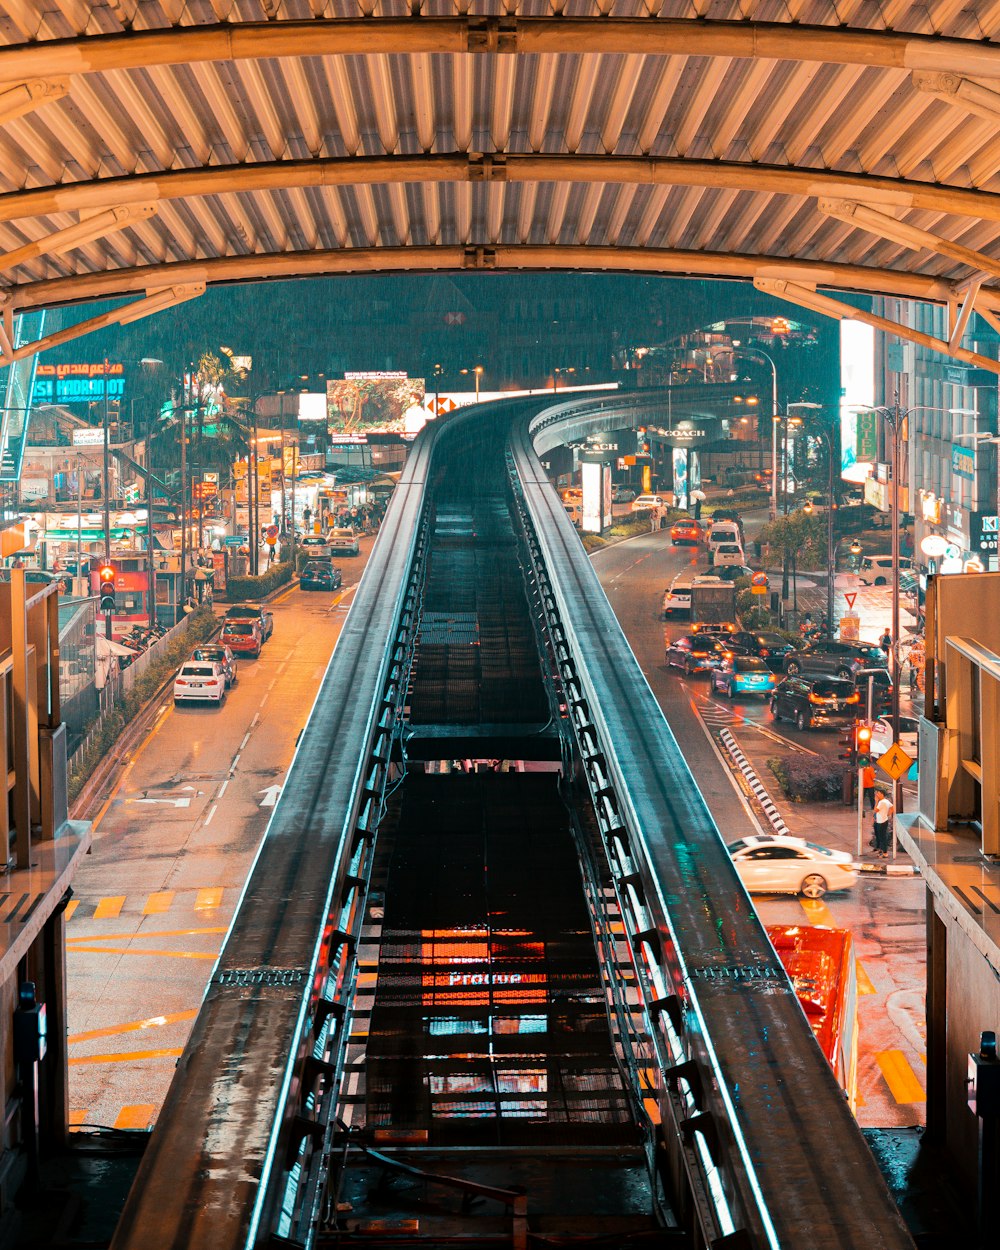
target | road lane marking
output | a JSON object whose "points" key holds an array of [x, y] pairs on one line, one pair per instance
{"points": [[139, 1115], [109, 908], [158, 721], [77, 1118], [246, 739], [154, 933], [132, 1026], [865, 985], [900, 1077], [818, 912], [256, 718], [236, 760], [208, 818], [208, 899], [71, 907], [158, 902], [222, 788], [129, 1057], [123, 950]]}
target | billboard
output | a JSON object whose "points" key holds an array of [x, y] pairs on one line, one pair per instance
{"points": [[858, 430], [596, 482], [360, 405], [680, 462], [78, 382]]}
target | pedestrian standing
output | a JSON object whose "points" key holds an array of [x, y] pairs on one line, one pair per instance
{"points": [[883, 815], [868, 786], [885, 642]]}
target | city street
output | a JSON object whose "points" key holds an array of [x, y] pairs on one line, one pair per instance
{"points": [[172, 850], [884, 914]]}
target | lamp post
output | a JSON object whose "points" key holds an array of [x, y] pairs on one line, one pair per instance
{"points": [[772, 511], [106, 489], [826, 434], [477, 372]]}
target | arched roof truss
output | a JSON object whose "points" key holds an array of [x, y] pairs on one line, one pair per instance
{"points": [[153, 147]]}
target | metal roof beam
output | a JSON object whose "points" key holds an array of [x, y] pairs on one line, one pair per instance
{"points": [[25, 97], [875, 222], [250, 268], [154, 301], [85, 231], [375, 36], [809, 297], [181, 184]]}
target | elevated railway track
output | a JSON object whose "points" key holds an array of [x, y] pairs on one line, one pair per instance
{"points": [[493, 980]]}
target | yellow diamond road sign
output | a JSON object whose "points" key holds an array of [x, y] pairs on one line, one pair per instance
{"points": [[895, 762]]}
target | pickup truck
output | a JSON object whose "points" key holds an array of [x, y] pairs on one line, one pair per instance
{"points": [[343, 542], [261, 616]]}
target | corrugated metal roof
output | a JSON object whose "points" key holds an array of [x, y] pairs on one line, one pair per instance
{"points": [[301, 136]]}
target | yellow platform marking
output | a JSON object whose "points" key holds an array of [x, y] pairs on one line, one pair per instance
{"points": [[140, 1116], [129, 1056], [158, 902], [818, 912], [900, 1077], [122, 950], [131, 1026], [865, 985], [208, 900], [110, 908], [74, 942], [71, 907]]}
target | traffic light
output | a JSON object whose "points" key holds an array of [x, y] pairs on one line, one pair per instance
{"points": [[863, 744], [107, 576]]}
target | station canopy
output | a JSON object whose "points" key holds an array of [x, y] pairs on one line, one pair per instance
{"points": [[152, 147]]}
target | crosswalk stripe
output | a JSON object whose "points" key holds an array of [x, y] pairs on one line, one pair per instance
{"points": [[109, 908], [139, 1115], [900, 1077], [209, 899], [158, 902]]}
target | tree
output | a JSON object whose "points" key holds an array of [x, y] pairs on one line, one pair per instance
{"points": [[799, 538]]}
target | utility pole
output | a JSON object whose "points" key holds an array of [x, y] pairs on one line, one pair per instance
{"points": [[895, 417], [106, 492], [183, 588]]}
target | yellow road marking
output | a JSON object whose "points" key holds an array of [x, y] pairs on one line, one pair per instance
{"points": [[158, 902], [116, 789], [109, 908], [865, 985], [283, 597], [900, 1077], [153, 933], [131, 1026], [140, 1116], [208, 900], [71, 907], [818, 912], [121, 950], [128, 1056], [77, 1117]]}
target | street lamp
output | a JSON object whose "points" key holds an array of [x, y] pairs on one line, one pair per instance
{"points": [[477, 370]]}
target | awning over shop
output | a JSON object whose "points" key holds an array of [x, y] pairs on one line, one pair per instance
{"points": [[88, 535]]}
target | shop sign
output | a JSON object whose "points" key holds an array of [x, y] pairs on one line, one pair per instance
{"points": [[983, 534], [930, 509], [877, 494], [88, 438], [963, 462], [867, 436]]}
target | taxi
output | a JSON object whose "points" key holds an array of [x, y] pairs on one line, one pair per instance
{"points": [[686, 530]]}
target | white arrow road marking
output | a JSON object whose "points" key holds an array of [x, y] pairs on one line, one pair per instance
{"points": [[270, 796], [169, 802]]}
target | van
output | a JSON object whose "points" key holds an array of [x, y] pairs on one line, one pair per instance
{"points": [[724, 532], [574, 511], [677, 597], [877, 570]]}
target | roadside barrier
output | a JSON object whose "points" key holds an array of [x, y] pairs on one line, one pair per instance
{"points": [[755, 784]]}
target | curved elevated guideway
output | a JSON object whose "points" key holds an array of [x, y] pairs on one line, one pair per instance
{"points": [[408, 971]]}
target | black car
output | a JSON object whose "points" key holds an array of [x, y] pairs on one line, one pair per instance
{"points": [[320, 575], [770, 647], [881, 680], [696, 653], [829, 656], [818, 701]]}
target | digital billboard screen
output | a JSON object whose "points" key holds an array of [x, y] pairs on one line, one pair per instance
{"points": [[360, 405]]}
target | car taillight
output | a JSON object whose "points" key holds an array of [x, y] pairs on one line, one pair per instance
{"points": [[816, 698], [182, 681], [764, 651], [853, 698]]}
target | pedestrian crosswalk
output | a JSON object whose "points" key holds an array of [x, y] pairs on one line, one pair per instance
{"points": [[157, 903]]}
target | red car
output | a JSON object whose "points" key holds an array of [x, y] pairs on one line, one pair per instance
{"points": [[686, 530], [242, 637]]}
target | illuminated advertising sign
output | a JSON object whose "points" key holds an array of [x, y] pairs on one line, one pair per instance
{"points": [[680, 461], [481, 968], [78, 383], [963, 462], [361, 405], [312, 406], [858, 430], [596, 482]]}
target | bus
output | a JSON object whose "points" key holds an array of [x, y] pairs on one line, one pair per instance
{"points": [[821, 966]]}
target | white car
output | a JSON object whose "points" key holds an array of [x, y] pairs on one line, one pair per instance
{"points": [[728, 553], [785, 865], [645, 503], [882, 736], [200, 681]]}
